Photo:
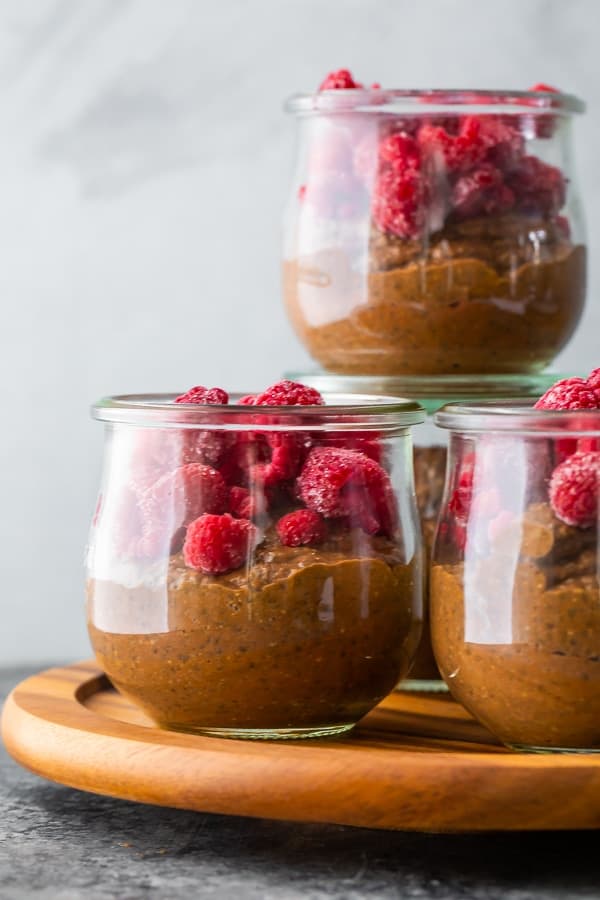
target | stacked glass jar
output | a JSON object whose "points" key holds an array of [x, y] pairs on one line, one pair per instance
{"points": [[434, 249]]}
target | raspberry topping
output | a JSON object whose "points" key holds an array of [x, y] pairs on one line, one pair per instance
{"points": [[345, 483], [569, 393], [200, 394], [574, 489], [289, 393], [241, 504], [397, 205], [341, 79], [401, 151], [304, 526], [216, 544], [186, 493], [481, 192]]}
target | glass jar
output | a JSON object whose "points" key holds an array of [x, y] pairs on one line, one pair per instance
{"points": [[430, 443], [434, 232], [256, 574], [515, 592]]}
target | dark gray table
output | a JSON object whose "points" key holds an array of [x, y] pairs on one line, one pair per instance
{"points": [[61, 844]]}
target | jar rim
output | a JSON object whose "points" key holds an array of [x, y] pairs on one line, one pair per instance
{"points": [[349, 411], [433, 100], [518, 416]]}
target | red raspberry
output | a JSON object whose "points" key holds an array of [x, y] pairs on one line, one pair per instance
{"points": [[539, 189], [569, 393], [401, 151], [544, 88], [341, 79], [365, 442], [201, 394], [247, 400], [345, 483], [289, 393], [304, 526], [460, 501], [241, 503], [217, 544], [184, 494], [398, 203], [574, 489], [481, 192], [593, 381]]}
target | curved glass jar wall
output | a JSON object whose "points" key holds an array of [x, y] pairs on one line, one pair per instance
{"points": [[434, 232], [232, 627], [515, 595], [430, 454]]}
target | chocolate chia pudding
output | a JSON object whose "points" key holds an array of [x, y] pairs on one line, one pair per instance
{"points": [[526, 664], [304, 637]]}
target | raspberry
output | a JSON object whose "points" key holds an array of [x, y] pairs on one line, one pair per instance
{"points": [[304, 526], [574, 489], [289, 393], [216, 544], [200, 394], [460, 501], [593, 381], [398, 203], [184, 494], [544, 88], [401, 151], [345, 483], [247, 400], [365, 442], [569, 393], [479, 139], [481, 192], [241, 503], [341, 79], [539, 189]]}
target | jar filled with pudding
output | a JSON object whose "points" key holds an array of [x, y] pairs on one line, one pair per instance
{"points": [[515, 595], [430, 461], [433, 232], [255, 562]]}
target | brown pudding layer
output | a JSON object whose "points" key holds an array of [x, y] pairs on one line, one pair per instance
{"points": [[519, 644], [486, 295], [430, 471], [303, 638]]}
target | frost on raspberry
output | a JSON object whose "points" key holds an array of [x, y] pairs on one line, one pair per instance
{"points": [[215, 544], [347, 484], [569, 393], [574, 489], [340, 79], [303, 526], [401, 152], [200, 394]]}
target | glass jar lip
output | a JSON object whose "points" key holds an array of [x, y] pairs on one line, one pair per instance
{"points": [[517, 415], [433, 391], [433, 100], [348, 411]]}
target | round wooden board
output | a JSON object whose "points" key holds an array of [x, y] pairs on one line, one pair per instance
{"points": [[416, 762]]}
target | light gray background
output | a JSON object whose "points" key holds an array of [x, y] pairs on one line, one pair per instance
{"points": [[144, 161]]}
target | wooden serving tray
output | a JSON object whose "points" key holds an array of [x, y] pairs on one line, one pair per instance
{"points": [[416, 762]]}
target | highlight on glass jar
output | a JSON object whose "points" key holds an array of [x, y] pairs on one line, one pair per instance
{"points": [[434, 232], [515, 593], [254, 566]]}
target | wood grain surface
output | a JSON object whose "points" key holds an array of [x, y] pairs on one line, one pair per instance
{"points": [[416, 762]]}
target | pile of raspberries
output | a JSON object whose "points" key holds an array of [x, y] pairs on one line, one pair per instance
{"points": [[211, 492], [485, 169]]}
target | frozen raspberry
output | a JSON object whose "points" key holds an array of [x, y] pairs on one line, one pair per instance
{"points": [[247, 400], [241, 503], [593, 381], [398, 203], [569, 393], [401, 151], [184, 494], [341, 79], [345, 483], [137, 533], [304, 526], [539, 189], [479, 139], [367, 443], [250, 449], [481, 192], [216, 544], [289, 393], [201, 394], [574, 489]]}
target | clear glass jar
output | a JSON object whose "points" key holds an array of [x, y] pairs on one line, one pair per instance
{"points": [[429, 453], [215, 611], [434, 232], [515, 592]]}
